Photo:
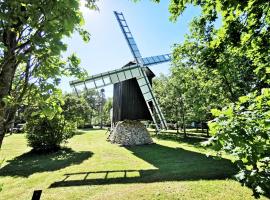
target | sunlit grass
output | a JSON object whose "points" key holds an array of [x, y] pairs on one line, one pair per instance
{"points": [[91, 168]]}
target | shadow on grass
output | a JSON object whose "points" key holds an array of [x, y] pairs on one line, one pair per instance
{"points": [[30, 162], [86, 130], [191, 139], [170, 164], [82, 131]]}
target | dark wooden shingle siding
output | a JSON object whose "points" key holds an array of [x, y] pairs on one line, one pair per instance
{"points": [[128, 101]]}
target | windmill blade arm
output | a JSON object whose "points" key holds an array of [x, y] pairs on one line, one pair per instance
{"points": [[148, 95], [128, 36], [154, 60], [108, 78]]}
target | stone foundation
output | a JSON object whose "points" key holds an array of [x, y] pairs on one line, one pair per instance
{"points": [[129, 133]]}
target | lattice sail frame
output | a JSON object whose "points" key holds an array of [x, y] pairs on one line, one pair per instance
{"points": [[143, 81], [134, 71]]}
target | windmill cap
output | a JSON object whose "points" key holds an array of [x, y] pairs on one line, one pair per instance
{"points": [[148, 71]]}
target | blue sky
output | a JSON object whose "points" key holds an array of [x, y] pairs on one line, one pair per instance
{"points": [[108, 50]]}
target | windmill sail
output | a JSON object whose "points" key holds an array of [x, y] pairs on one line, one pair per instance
{"points": [[108, 78], [143, 81], [128, 36], [148, 95], [154, 60]]}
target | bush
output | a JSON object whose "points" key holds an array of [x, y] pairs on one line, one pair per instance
{"points": [[88, 126], [45, 135], [243, 130]]}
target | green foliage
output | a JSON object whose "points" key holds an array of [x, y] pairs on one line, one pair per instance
{"points": [[232, 39], [238, 46], [243, 129], [100, 107], [47, 134], [188, 94], [47, 125], [76, 109], [106, 111], [162, 90], [92, 98], [31, 46]]}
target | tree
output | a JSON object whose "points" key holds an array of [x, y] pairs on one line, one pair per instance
{"points": [[100, 104], [76, 109], [243, 130], [189, 94], [92, 98], [163, 94], [238, 49], [179, 82], [31, 34], [107, 111]]}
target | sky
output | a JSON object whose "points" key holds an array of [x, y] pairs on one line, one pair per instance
{"points": [[149, 23]]}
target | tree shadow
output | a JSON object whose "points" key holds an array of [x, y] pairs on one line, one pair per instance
{"points": [[31, 162], [170, 164], [82, 131], [191, 139]]}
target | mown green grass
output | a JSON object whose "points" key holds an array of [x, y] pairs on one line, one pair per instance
{"points": [[91, 168]]}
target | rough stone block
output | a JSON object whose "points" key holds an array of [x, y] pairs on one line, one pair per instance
{"points": [[128, 133]]}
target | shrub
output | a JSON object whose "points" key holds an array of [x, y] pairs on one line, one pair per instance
{"points": [[243, 130], [47, 134]]}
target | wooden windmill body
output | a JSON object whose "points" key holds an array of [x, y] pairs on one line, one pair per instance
{"points": [[128, 101]]}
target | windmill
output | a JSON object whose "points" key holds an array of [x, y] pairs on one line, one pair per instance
{"points": [[135, 73]]}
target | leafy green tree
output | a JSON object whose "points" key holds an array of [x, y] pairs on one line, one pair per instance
{"points": [[163, 93], [100, 106], [76, 109], [189, 94], [106, 111], [179, 82], [92, 98], [31, 34], [238, 49], [243, 130]]}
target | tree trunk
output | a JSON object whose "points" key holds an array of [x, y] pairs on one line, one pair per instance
{"points": [[232, 96], [6, 77], [184, 125], [10, 115], [2, 124], [7, 71], [183, 117], [91, 117]]}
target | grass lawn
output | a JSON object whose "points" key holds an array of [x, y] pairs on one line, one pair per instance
{"points": [[91, 168]]}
